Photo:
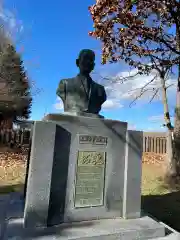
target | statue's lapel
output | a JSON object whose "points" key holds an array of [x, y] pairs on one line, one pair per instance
{"points": [[80, 86], [79, 83], [92, 89]]}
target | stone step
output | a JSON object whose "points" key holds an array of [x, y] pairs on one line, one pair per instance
{"points": [[110, 229]]}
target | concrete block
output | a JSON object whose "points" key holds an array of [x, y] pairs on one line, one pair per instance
{"points": [[132, 175], [111, 229]]}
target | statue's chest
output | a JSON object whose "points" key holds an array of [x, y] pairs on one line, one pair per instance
{"points": [[79, 90]]}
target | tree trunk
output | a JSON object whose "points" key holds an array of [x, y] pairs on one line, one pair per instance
{"points": [[170, 164], [176, 145]]}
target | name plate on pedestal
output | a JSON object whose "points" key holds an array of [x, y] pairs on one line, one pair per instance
{"points": [[93, 140], [90, 179]]}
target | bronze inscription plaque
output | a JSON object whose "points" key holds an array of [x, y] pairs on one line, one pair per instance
{"points": [[94, 140], [90, 179]]}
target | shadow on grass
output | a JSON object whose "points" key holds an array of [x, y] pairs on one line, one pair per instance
{"points": [[165, 208], [171, 183], [4, 189]]}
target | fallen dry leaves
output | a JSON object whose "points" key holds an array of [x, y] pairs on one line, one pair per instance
{"points": [[12, 167], [8, 159], [153, 158]]}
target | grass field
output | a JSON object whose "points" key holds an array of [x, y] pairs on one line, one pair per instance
{"points": [[157, 199]]}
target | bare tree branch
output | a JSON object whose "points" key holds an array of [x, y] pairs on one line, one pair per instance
{"points": [[154, 95], [137, 97]]}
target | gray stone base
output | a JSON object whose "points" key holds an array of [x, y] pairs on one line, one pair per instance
{"points": [[111, 229]]}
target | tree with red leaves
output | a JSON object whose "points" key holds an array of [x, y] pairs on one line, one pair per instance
{"points": [[144, 34], [142, 29]]}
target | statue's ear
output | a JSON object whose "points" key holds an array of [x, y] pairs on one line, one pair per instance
{"points": [[77, 62]]}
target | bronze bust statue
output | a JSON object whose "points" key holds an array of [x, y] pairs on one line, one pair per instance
{"points": [[81, 94]]}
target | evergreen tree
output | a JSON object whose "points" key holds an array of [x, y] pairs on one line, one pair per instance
{"points": [[15, 94]]}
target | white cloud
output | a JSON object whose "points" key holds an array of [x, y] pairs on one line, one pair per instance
{"points": [[111, 104], [59, 104], [159, 120], [121, 88], [132, 127], [156, 118], [10, 23]]}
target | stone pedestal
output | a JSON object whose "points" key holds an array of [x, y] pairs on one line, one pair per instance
{"points": [[86, 169], [82, 169]]}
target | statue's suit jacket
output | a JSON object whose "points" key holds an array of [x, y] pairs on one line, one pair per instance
{"points": [[75, 98]]}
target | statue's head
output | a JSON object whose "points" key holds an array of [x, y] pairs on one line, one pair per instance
{"points": [[86, 61]]}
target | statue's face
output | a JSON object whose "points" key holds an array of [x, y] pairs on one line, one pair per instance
{"points": [[86, 62]]}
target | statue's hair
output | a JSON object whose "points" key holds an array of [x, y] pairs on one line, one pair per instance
{"points": [[83, 51]]}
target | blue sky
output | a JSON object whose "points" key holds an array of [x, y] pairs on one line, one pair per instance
{"points": [[53, 34]]}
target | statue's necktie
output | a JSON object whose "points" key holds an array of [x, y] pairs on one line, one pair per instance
{"points": [[86, 86]]}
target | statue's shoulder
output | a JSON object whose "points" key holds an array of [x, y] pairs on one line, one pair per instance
{"points": [[101, 92], [99, 86], [66, 80]]}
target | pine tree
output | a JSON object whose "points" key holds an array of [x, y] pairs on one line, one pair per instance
{"points": [[15, 94]]}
